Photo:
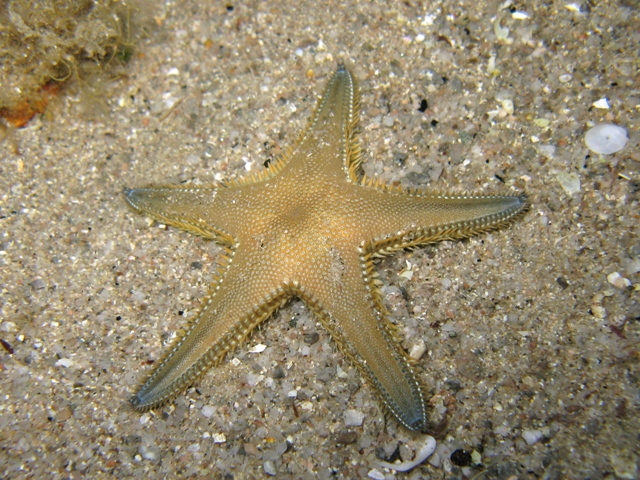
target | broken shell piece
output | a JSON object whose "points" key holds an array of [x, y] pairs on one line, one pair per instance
{"points": [[606, 138], [618, 280], [427, 449]]}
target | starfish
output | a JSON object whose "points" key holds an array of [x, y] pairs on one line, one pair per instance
{"points": [[311, 225]]}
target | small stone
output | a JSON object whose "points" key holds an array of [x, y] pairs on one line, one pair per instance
{"points": [[38, 284], [259, 348], [625, 464], [570, 182], [347, 438], [219, 438], [269, 468], [633, 267], [562, 282], [618, 281], [311, 338], [278, 373], [602, 103], [149, 453], [375, 474], [461, 458], [195, 448], [208, 411], [417, 350], [251, 449], [531, 436], [65, 362], [353, 418], [388, 121]]}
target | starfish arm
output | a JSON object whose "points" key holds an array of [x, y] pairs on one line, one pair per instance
{"points": [[193, 209], [229, 316], [364, 335], [408, 220], [336, 117]]}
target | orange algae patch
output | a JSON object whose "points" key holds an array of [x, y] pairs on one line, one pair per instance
{"points": [[22, 112]]}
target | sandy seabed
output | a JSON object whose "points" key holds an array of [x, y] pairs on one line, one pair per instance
{"points": [[531, 333]]}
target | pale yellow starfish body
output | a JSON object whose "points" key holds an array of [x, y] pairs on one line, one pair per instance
{"points": [[309, 226]]}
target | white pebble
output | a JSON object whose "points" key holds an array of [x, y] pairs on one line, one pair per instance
{"points": [[570, 182], [219, 438], [208, 411], [259, 348], [353, 418], [149, 453], [602, 103], [633, 267], [269, 468], [618, 280], [531, 436], [65, 362], [375, 474], [606, 138], [417, 350]]}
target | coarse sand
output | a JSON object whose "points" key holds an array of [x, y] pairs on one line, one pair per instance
{"points": [[528, 337]]}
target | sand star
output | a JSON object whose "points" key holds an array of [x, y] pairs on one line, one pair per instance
{"points": [[310, 226]]}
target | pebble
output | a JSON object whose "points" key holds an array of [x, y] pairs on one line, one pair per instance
{"points": [[417, 350], [633, 267], [208, 411], [531, 436], [625, 465], [375, 474], [618, 280], [149, 453], [606, 138], [65, 362], [269, 468], [353, 418], [219, 438], [570, 182], [311, 338], [388, 121]]}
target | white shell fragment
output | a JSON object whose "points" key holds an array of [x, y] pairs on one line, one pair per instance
{"points": [[606, 138], [618, 280], [427, 449], [602, 103]]}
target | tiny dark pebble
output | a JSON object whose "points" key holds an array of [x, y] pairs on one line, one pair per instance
{"points": [[382, 455], [7, 346], [311, 338], [400, 157], [278, 372], [562, 282], [196, 265], [423, 105], [461, 458], [347, 438]]}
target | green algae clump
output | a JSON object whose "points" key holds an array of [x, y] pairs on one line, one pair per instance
{"points": [[46, 45]]}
